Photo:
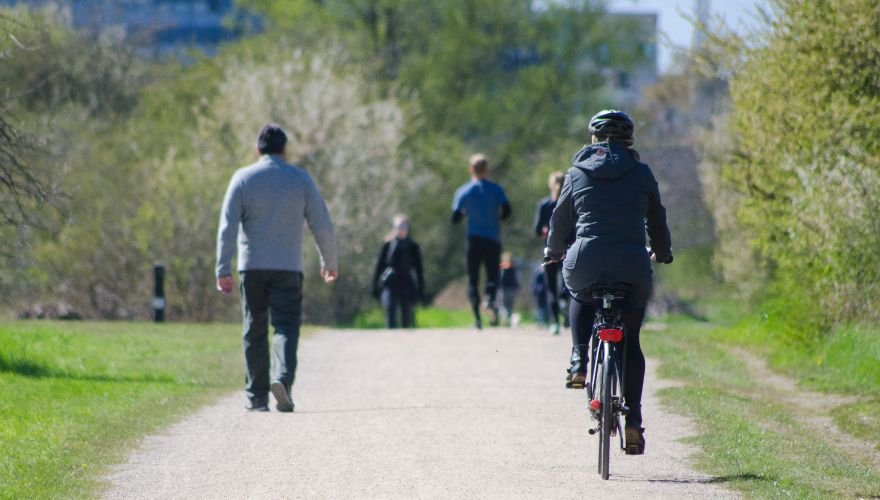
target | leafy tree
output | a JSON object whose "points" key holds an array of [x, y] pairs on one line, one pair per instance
{"points": [[486, 75], [806, 156], [22, 187]]}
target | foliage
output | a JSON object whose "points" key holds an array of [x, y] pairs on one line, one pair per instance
{"points": [[483, 76], [69, 92], [845, 361], [431, 317], [751, 438], [806, 158], [77, 395], [861, 419], [384, 101]]}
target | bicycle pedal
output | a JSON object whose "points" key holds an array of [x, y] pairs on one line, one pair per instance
{"points": [[574, 385]]}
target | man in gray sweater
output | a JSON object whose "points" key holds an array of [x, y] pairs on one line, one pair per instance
{"points": [[265, 208]]}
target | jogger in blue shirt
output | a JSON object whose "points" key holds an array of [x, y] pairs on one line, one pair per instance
{"points": [[485, 205]]}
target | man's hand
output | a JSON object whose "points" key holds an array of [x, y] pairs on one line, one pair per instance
{"points": [[225, 284], [329, 275]]}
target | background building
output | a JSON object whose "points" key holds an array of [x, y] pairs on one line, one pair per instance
{"points": [[155, 27]]}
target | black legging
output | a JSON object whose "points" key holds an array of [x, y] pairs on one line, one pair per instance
{"points": [[485, 252], [551, 274], [582, 316]]}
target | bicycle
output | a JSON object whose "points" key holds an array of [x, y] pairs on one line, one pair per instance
{"points": [[607, 370]]}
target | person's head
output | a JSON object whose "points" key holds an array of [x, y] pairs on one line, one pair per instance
{"points": [[612, 125], [507, 258], [400, 226], [554, 182], [478, 165], [272, 140]]}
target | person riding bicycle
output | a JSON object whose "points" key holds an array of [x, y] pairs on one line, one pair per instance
{"points": [[610, 198]]}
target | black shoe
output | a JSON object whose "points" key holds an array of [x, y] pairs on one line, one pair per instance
{"points": [[478, 324], [259, 404], [635, 440], [577, 372], [282, 396]]}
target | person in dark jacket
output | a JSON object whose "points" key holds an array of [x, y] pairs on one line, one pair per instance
{"points": [[610, 197], [542, 228], [398, 280]]}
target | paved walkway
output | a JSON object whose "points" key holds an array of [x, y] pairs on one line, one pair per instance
{"points": [[415, 414]]}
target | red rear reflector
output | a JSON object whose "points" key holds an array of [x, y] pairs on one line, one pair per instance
{"points": [[595, 405], [610, 335]]}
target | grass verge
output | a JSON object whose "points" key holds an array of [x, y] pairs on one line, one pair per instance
{"points": [[77, 395], [428, 317], [751, 441]]}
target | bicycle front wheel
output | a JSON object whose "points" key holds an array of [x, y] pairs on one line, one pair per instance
{"points": [[606, 425]]}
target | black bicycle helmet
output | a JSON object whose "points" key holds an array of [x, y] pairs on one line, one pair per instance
{"points": [[612, 124]]}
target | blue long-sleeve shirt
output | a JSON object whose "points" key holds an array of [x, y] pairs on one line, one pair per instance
{"points": [[265, 209], [484, 204]]}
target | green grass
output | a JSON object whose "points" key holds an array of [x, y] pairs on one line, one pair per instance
{"points": [[846, 360], [425, 318], [76, 395], [861, 419], [749, 439]]}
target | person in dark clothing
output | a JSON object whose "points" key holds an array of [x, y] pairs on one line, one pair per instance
{"points": [[398, 280], [509, 282], [542, 228], [611, 198], [485, 205], [539, 292]]}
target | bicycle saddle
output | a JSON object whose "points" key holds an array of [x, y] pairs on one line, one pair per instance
{"points": [[617, 290]]}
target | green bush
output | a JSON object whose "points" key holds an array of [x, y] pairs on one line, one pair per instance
{"points": [[805, 161]]}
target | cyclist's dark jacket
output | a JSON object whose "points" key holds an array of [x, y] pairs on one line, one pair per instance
{"points": [[610, 198]]}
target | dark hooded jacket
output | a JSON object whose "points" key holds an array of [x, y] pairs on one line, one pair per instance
{"points": [[610, 198]]}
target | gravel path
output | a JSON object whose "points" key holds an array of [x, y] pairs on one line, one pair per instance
{"points": [[414, 414]]}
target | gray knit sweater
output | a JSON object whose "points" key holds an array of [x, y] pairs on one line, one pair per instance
{"points": [[265, 208]]}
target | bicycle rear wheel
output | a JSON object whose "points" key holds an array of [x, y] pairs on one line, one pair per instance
{"points": [[605, 424]]}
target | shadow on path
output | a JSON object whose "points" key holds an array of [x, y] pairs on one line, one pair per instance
{"points": [[693, 479]]}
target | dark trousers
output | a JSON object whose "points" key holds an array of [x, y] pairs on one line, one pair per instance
{"points": [[392, 300], [582, 315], [551, 275], [487, 253], [265, 295]]}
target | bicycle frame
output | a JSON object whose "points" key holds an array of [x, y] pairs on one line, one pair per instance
{"points": [[605, 390]]}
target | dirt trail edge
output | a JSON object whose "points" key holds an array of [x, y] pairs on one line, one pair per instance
{"points": [[415, 414]]}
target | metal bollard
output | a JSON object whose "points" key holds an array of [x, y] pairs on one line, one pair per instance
{"points": [[159, 293]]}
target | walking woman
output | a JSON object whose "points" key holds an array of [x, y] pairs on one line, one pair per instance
{"points": [[398, 280], [542, 228]]}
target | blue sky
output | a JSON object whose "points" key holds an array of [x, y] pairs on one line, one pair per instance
{"points": [[737, 14]]}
